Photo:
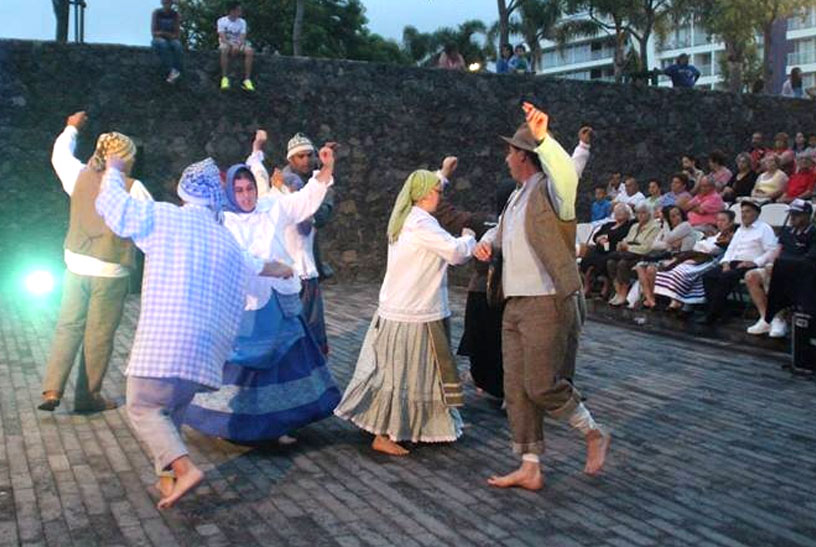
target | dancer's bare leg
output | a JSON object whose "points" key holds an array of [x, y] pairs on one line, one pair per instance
{"points": [[383, 444], [597, 446], [188, 476], [528, 476]]}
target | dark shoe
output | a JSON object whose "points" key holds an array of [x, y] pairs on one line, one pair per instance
{"points": [[96, 404], [49, 404]]}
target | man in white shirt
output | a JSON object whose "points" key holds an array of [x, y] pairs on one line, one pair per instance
{"points": [[232, 32], [96, 280], [541, 284], [753, 246], [632, 195]]}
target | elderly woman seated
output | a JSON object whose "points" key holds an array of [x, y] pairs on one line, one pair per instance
{"points": [[702, 209], [676, 236], [635, 246], [681, 278], [772, 182], [604, 242]]}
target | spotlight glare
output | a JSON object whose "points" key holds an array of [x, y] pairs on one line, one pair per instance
{"points": [[39, 282], [474, 67]]}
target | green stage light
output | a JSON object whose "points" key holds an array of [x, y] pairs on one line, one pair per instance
{"points": [[39, 282]]}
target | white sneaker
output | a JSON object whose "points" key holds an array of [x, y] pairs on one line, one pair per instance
{"points": [[779, 328], [760, 327], [173, 76]]}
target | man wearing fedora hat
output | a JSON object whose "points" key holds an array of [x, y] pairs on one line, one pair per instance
{"points": [[753, 246], [541, 285]]}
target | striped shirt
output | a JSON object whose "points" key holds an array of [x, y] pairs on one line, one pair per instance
{"points": [[193, 289]]}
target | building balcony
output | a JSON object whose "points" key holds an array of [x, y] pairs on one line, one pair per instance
{"points": [[802, 57]]}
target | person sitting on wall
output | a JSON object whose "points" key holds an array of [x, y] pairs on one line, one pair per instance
{"points": [[795, 241], [232, 33], [682, 74], [165, 25], [503, 62], [518, 62], [793, 85], [451, 59]]}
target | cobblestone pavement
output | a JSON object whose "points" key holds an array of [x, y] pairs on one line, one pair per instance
{"points": [[710, 447]]}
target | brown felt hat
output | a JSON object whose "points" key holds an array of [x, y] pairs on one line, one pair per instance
{"points": [[522, 139]]}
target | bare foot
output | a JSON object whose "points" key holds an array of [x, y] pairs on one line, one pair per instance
{"points": [[184, 483], [384, 444], [165, 485], [597, 447], [528, 476]]}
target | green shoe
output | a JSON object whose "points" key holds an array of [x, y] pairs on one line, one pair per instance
{"points": [[247, 85], [225, 83]]}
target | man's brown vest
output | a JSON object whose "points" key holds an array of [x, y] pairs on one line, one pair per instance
{"points": [[87, 232], [552, 240]]}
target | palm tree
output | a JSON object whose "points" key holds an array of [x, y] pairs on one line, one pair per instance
{"points": [[537, 20], [297, 28]]}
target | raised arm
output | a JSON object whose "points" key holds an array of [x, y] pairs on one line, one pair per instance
{"points": [[66, 165], [125, 215], [301, 205], [563, 179], [255, 163]]}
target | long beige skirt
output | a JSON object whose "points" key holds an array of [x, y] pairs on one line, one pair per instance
{"points": [[396, 389]]}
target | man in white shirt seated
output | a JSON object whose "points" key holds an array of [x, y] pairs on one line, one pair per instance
{"points": [[98, 265], [632, 196], [232, 32], [753, 246]]}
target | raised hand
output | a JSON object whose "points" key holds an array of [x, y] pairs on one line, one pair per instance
{"points": [[537, 121], [326, 155], [260, 140], [277, 178], [449, 165], [77, 119], [585, 134]]}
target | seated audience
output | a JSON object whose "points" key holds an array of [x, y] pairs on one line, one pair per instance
{"points": [[604, 242], [232, 42], [676, 236], [718, 173], [757, 151], [742, 184], [800, 145], [634, 247], [678, 191], [655, 194], [681, 278], [518, 62], [782, 150], [631, 195], [753, 245], [795, 242], [689, 164], [165, 27], [772, 182], [811, 148], [601, 207], [800, 184], [702, 209], [503, 62], [794, 275], [615, 186]]}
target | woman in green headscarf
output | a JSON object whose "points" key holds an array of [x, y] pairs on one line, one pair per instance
{"points": [[405, 385]]}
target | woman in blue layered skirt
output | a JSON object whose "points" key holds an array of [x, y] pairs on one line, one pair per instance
{"points": [[276, 379]]}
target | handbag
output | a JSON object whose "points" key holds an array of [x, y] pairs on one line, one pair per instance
{"points": [[495, 294]]}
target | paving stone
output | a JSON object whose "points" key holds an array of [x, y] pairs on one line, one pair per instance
{"points": [[713, 446]]}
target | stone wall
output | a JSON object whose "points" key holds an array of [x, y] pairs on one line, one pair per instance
{"points": [[390, 120]]}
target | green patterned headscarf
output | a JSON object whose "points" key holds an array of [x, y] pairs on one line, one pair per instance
{"points": [[418, 185]]}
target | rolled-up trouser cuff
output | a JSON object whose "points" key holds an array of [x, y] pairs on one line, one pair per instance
{"points": [[536, 447]]}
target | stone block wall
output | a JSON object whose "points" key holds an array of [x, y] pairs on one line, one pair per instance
{"points": [[388, 119]]}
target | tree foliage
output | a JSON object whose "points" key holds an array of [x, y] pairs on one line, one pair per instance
{"points": [[331, 29], [423, 48]]}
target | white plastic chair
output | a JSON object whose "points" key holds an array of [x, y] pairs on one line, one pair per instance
{"points": [[775, 214], [582, 232], [737, 212]]}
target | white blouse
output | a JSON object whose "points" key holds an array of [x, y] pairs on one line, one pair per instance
{"points": [[415, 288], [261, 234]]}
